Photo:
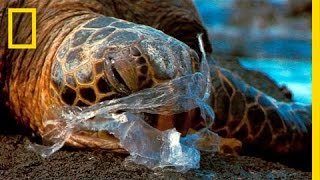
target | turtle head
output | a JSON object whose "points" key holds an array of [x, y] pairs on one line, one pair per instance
{"points": [[108, 58], [148, 62]]}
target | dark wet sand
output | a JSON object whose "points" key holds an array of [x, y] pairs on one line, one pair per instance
{"points": [[17, 162]]}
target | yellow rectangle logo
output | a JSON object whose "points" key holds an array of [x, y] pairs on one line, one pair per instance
{"points": [[33, 44]]}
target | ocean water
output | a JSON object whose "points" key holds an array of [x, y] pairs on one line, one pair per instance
{"points": [[282, 51], [295, 74]]}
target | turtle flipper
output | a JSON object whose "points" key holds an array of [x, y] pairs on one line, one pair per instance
{"points": [[230, 146], [256, 119], [90, 139]]}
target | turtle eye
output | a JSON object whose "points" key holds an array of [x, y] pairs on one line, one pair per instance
{"points": [[112, 74], [118, 77], [135, 51]]}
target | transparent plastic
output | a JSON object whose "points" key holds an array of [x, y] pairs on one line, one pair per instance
{"points": [[146, 145]]}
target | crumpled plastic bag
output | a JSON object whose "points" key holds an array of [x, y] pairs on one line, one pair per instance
{"points": [[146, 145]]}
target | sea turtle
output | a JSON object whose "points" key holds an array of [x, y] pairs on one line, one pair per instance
{"points": [[94, 50]]}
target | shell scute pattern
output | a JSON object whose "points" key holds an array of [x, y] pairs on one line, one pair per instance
{"points": [[233, 79], [100, 22], [157, 34], [84, 74], [250, 94], [88, 94], [121, 37], [237, 110], [265, 101], [71, 81], [81, 103], [100, 51], [64, 50], [57, 76], [68, 95], [278, 125], [103, 86], [119, 24], [265, 136], [101, 34], [256, 117], [74, 59], [98, 67], [80, 37], [222, 106], [228, 88], [242, 133]]}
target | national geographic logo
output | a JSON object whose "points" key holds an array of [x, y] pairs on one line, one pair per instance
{"points": [[33, 12]]}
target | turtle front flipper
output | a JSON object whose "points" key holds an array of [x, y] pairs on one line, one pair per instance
{"points": [[256, 119]]}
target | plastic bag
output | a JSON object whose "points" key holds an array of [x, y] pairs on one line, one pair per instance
{"points": [[146, 145]]}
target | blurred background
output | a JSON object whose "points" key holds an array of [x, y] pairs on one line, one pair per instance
{"points": [[272, 36]]}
